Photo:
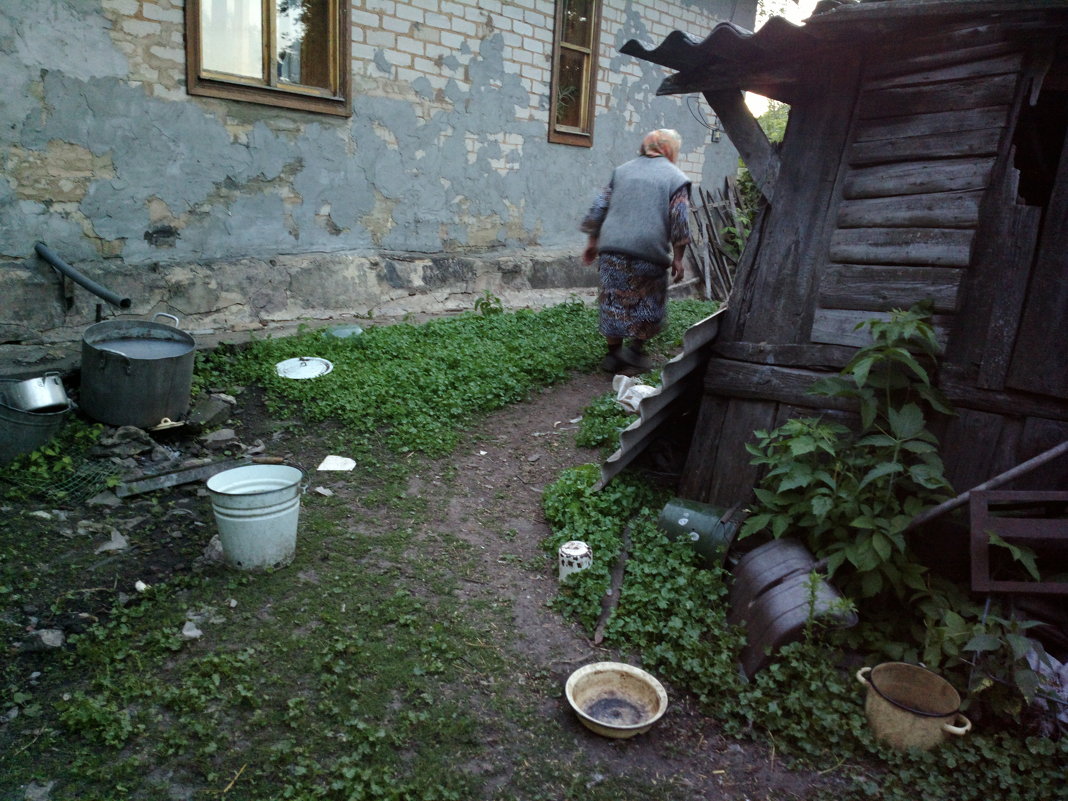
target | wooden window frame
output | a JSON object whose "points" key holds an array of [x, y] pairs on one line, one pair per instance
{"points": [[302, 98], [562, 134]]}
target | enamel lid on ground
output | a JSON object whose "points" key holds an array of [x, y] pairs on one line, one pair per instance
{"points": [[304, 367]]}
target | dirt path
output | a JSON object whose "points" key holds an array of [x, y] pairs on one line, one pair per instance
{"points": [[495, 505]]}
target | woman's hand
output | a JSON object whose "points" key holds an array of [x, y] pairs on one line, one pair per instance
{"points": [[678, 269], [589, 255]]}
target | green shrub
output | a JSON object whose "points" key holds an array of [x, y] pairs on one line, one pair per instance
{"points": [[672, 616]]}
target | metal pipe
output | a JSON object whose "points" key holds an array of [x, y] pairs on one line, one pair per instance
{"points": [[102, 292], [928, 515]]}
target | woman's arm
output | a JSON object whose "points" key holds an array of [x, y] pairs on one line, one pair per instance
{"points": [[592, 222], [679, 230]]}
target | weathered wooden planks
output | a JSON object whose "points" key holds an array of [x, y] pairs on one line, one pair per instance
{"points": [[996, 59], [1011, 404], [882, 288], [769, 382], [976, 119], [1008, 294], [775, 303], [827, 357], [1040, 360], [929, 210], [947, 247], [957, 144], [897, 101], [890, 214], [721, 471], [844, 326], [920, 177]]}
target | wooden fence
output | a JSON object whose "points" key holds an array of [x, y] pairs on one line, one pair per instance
{"points": [[718, 230]]}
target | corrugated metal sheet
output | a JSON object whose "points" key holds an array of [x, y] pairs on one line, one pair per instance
{"points": [[677, 377], [782, 58], [726, 44]]}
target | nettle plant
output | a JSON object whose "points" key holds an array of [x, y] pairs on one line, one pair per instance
{"points": [[850, 495]]}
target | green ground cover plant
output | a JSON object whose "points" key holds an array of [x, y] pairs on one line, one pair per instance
{"points": [[672, 615], [415, 386], [601, 424], [849, 494], [361, 673]]}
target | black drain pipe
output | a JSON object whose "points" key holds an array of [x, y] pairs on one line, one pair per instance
{"points": [[101, 292]]}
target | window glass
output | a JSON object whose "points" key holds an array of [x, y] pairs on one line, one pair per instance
{"points": [[292, 53], [577, 22], [569, 94], [232, 36], [574, 83], [302, 42]]}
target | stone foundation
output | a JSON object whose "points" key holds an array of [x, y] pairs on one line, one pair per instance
{"points": [[233, 300]]}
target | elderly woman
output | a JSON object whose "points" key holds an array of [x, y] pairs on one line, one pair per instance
{"points": [[638, 229]]}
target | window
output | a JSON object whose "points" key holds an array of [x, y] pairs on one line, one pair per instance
{"points": [[574, 85], [291, 53]]}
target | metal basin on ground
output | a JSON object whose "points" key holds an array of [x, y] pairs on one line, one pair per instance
{"points": [[22, 431], [615, 699], [41, 394]]}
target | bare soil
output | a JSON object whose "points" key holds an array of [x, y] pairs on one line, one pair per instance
{"points": [[488, 493], [501, 471]]}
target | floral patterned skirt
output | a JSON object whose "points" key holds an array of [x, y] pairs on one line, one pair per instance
{"points": [[633, 296]]}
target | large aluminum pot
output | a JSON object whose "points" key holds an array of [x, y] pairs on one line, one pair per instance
{"points": [[136, 373]]}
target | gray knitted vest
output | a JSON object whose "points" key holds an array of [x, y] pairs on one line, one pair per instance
{"points": [[637, 223]]}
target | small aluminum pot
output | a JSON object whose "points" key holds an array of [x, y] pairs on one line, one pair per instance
{"points": [[42, 394]]}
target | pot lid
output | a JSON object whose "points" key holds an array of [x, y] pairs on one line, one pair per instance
{"points": [[304, 367], [345, 331]]}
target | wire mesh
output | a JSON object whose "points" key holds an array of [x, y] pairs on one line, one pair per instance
{"points": [[77, 485]]}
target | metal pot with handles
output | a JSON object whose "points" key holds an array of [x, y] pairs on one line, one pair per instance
{"points": [[136, 373], [42, 394]]}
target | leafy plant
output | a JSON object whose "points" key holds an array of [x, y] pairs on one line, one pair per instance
{"points": [[489, 304], [735, 236], [851, 497], [672, 616], [602, 422], [53, 461], [986, 648]]}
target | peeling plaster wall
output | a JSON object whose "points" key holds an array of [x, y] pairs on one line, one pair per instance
{"points": [[106, 159]]}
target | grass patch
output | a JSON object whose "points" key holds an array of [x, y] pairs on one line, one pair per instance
{"points": [[358, 672]]}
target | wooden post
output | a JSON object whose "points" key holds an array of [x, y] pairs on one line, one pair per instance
{"points": [[745, 133]]}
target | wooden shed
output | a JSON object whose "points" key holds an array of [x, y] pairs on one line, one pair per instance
{"points": [[922, 160]]}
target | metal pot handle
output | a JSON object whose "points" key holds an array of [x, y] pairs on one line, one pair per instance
{"points": [[164, 314], [959, 731], [121, 355], [306, 481], [862, 675]]}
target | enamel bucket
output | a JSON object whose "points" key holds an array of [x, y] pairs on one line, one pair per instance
{"points": [[908, 706], [256, 510]]}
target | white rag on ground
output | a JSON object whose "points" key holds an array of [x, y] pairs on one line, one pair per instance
{"points": [[631, 391]]}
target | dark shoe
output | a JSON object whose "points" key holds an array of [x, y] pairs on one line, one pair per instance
{"points": [[613, 362], [636, 359]]}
